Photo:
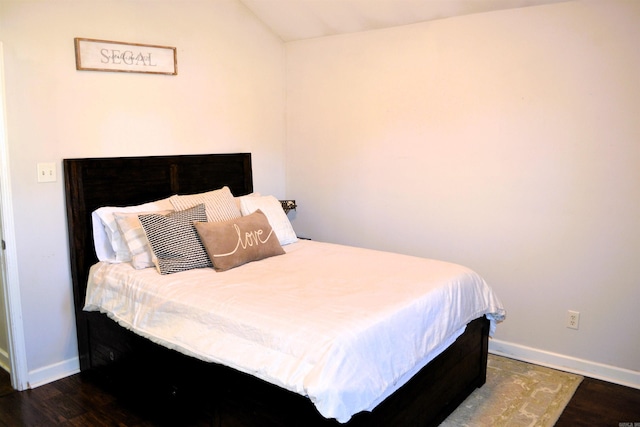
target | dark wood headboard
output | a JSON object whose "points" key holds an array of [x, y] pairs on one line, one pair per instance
{"points": [[124, 181]]}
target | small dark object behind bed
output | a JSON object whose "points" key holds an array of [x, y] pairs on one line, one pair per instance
{"points": [[235, 399]]}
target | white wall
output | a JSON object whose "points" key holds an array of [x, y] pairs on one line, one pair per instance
{"points": [[505, 141], [4, 339], [228, 96]]}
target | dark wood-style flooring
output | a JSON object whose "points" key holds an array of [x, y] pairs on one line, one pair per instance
{"points": [[79, 401]]}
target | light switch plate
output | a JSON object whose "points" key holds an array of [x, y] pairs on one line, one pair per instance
{"points": [[47, 172]]}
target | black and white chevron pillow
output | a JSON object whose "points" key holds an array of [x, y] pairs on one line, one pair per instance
{"points": [[174, 240]]}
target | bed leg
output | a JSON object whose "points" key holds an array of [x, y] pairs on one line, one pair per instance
{"points": [[484, 353]]}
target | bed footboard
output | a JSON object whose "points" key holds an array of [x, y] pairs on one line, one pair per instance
{"points": [[426, 400]]}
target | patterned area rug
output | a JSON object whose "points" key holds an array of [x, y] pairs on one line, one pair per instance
{"points": [[516, 394]]}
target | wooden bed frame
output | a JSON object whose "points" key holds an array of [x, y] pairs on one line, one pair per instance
{"points": [[130, 362]]}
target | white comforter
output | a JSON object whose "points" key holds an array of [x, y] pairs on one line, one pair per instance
{"points": [[344, 326]]}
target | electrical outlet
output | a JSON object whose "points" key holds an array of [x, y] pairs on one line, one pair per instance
{"points": [[573, 319]]}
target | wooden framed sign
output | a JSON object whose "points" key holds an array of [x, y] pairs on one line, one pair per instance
{"points": [[103, 55]]}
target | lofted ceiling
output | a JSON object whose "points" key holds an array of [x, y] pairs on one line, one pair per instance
{"points": [[303, 19]]}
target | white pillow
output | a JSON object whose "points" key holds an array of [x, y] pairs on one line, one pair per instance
{"points": [[238, 199], [272, 208], [108, 241], [101, 242]]}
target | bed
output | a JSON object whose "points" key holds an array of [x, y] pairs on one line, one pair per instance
{"points": [[315, 372]]}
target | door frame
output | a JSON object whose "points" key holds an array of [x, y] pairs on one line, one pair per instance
{"points": [[15, 333]]}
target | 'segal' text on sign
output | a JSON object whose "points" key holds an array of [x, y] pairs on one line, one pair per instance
{"points": [[127, 57]]}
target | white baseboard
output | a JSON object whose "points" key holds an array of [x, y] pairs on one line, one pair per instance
{"points": [[562, 362], [53, 372]]}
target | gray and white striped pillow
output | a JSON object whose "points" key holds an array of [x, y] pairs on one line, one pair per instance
{"points": [[219, 204], [174, 240], [135, 237]]}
